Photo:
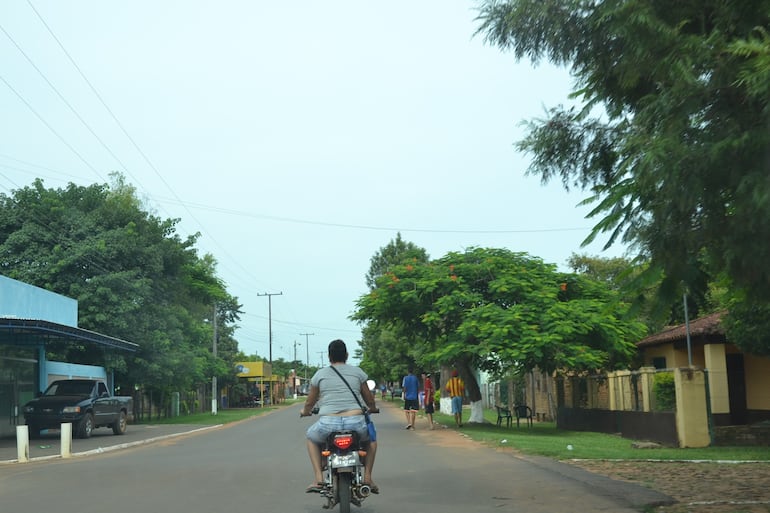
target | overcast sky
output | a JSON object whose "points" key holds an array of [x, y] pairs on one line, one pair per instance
{"points": [[297, 137]]}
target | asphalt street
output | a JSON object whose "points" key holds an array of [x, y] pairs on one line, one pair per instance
{"points": [[261, 465]]}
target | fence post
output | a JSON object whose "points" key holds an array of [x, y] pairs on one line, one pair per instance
{"points": [[691, 414], [611, 382], [22, 443], [66, 440], [647, 379]]}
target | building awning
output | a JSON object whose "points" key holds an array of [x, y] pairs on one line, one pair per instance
{"points": [[23, 332]]}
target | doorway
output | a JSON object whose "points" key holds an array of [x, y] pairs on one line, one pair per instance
{"points": [[736, 386]]}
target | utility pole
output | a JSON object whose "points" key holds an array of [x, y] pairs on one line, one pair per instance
{"points": [[270, 325], [294, 373], [322, 357], [214, 398], [307, 349]]}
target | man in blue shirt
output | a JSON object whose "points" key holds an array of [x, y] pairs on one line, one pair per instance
{"points": [[411, 388]]}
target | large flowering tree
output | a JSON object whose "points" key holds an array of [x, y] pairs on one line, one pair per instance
{"points": [[497, 310]]}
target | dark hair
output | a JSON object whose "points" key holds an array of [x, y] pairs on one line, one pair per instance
{"points": [[338, 351]]}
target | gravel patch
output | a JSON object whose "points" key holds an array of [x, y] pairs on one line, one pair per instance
{"points": [[702, 487]]}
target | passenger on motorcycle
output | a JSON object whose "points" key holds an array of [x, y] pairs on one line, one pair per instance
{"points": [[338, 410]]}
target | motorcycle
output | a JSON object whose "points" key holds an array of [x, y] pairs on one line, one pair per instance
{"points": [[343, 470]]}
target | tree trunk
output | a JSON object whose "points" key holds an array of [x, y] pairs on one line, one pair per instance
{"points": [[472, 388], [473, 391]]}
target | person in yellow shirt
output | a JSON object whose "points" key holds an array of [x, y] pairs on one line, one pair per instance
{"points": [[456, 389]]}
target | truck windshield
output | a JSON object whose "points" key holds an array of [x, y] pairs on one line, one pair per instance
{"points": [[70, 388]]}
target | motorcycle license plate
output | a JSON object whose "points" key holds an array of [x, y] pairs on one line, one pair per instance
{"points": [[343, 460]]}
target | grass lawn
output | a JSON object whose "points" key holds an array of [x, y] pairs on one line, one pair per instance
{"points": [[545, 439], [223, 416]]}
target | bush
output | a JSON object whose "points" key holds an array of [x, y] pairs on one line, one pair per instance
{"points": [[664, 391]]}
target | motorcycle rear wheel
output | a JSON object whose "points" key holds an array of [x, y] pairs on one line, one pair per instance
{"points": [[344, 491]]}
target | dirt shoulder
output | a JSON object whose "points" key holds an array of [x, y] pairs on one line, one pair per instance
{"points": [[708, 487]]}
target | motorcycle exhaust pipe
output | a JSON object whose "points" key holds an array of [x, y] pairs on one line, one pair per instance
{"points": [[364, 490]]}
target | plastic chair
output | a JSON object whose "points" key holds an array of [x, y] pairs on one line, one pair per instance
{"points": [[523, 412], [503, 413]]}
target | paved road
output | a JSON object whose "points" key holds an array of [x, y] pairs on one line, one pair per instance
{"points": [[261, 465]]}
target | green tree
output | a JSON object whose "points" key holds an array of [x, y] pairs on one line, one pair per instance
{"points": [[610, 271], [132, 276], [500, 311], [397, 251], [670, 133], [384, 355]]}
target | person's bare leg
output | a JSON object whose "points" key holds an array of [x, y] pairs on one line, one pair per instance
{"points": [[315, 460], [371, 452], [412, 418], [408, 420]]}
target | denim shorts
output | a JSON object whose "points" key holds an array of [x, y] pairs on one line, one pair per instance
{"points": [[327, 424], [457, 404]]}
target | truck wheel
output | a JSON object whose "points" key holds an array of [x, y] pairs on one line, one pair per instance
{"points": [[119, 426], [86, 426]]}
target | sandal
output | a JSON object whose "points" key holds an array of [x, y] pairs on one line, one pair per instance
{"points": [[373, 488], [315, 488]]}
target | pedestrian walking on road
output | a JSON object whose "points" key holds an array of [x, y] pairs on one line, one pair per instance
{"points": [[427, 386], [411, 386], [456, 389]]}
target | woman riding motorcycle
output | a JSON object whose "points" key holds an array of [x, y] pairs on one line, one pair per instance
{"points": [[338, 410]]}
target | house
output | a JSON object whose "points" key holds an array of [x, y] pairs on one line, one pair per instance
{"points": [[716, 393], [737, 382]]}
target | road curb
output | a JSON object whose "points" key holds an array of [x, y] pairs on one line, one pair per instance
{"points": [[110, 448]]}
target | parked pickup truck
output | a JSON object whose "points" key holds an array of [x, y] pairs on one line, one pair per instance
{"points": [[86, 403]]}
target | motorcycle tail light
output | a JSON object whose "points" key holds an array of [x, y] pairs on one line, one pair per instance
{"points": [[343, 441]]}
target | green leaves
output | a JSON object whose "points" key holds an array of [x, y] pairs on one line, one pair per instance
{"points": [[132, 276], [671, 134], [504, 311]]}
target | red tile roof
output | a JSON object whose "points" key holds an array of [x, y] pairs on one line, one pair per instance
{"points": [[710, 325]]}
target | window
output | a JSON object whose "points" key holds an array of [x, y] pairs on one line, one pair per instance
{"points": [[659, 362]]}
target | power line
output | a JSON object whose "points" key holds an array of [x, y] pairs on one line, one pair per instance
{"points": [[51, 128], [120, 125], [64, 100], [371, 227], [132, 140]]}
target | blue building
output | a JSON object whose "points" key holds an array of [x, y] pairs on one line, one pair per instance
{"points": [[31, 318]]}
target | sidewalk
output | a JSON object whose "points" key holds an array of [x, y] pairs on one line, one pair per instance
{"points": [[48, 446]]}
